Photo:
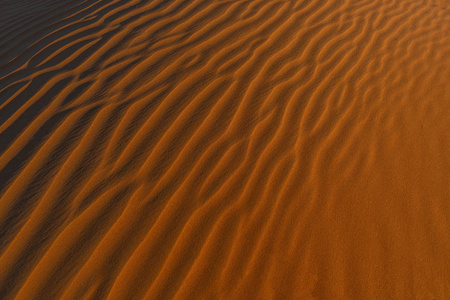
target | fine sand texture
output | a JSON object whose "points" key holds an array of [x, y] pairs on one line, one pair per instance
{"points": [[224, 149]]}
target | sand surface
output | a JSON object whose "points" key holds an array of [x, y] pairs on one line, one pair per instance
{"points": [[225, 149]]}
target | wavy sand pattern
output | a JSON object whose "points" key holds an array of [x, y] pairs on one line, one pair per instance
{"points": [[225, 149]]}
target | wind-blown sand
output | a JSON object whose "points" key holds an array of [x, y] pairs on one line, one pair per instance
{"points": [[234, 149]]}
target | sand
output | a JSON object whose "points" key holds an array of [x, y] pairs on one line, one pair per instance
{"points": [[225, 149]]}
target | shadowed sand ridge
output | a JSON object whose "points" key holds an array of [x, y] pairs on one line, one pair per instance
{"points": [[232, 149]]}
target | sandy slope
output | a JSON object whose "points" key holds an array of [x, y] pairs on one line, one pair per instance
{"points": [[225, 149]]}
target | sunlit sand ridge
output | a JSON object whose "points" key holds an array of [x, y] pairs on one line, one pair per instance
{"points": [[233, 149]]}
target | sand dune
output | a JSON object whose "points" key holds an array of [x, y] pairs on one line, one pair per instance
{"points": [[227, 149]]}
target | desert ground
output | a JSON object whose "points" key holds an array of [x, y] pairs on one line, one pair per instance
{"points": [[224, 149]]}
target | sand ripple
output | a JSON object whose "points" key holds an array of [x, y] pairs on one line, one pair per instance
{"points": [[232, 149]]}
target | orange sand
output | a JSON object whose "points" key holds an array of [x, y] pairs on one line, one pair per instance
{"points": [[225, 149]]}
